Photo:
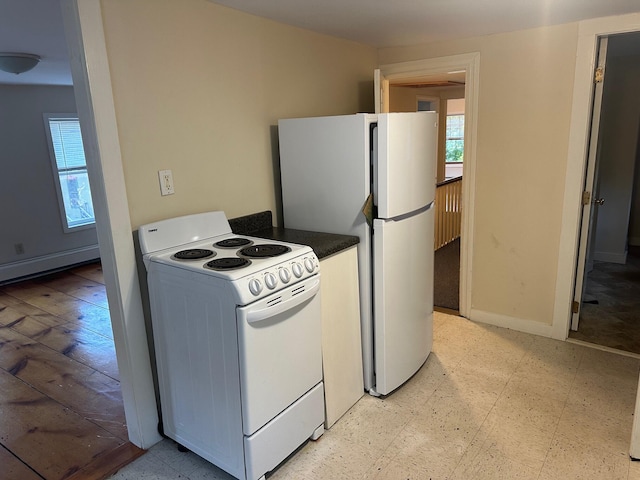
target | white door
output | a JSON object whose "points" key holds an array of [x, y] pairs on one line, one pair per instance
{"points": [[280, 351], [590, 179], [405, 167], [403, 298]]}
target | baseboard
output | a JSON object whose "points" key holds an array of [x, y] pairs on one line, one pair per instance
{"points": [[44, 263], [620, 258], [519, 324]]}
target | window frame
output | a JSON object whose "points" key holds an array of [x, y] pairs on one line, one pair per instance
{"points": [[427, 98], [447, 138], [47, 118]]}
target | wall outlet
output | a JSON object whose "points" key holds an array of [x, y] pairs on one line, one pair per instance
{"points": [[166, 182], [19, 248]]}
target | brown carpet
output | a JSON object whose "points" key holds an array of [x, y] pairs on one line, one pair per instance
{"points": [[446, 271], [610, 313]]}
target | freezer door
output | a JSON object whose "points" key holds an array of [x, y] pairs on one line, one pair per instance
{"points": [[406, 162], [403, 298], [324, 169]]}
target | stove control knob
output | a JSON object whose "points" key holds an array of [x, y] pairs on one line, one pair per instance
{"points": [[270, 280], [309, 265], [297, 269], [284, 274], [255, 286]]}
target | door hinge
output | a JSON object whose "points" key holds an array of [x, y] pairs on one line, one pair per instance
{"points": [[575, 307], [599, 75], [586, 198]]}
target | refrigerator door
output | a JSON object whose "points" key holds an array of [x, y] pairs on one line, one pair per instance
{"points": [[405, 168], [403, 297]]}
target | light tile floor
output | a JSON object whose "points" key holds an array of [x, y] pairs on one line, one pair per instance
{"points": [[489, 403]]}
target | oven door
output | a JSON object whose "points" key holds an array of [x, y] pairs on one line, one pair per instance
{"points": [[280, 351]]}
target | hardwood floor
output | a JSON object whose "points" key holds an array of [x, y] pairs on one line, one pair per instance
{"points": [[61, 411]]}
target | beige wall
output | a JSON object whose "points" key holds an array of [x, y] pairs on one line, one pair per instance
{"points": [[526, 86], [405, 99], [198, 88], [455, 106]]}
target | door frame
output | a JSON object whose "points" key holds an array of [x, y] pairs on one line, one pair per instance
{"points": [[588, 219], [470, 63], [96, 110], [586, 54]]}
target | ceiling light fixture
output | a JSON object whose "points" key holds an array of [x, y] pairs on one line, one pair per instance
{"points": [[18, 62]]}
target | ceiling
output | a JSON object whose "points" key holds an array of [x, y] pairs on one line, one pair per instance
{"points": [[392, 23], [35, 26]]}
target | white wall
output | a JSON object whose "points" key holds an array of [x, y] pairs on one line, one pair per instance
{"points": [[30, 213], [619, 124]]}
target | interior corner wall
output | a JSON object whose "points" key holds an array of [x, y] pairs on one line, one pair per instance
{"points": [[523, 122], [199, 89], [30, 214], [619, 125]]}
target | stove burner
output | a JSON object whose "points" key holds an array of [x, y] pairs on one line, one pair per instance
{"points": [[228, 263], [264, 250], [193, 254], [233, 242]]}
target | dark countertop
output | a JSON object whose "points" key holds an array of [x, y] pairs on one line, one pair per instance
{"points": [[323, 244]]}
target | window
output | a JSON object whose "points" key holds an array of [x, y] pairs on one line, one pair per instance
{"points": [[70, 171], [455, 139], [426, 106]]}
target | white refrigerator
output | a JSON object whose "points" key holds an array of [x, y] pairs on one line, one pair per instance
{"points": [[373, 176]]}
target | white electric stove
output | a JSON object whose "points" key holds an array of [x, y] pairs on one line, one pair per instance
{"points": [[236, 328]]}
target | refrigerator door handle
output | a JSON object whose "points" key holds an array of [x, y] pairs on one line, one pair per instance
{"points": [[414, 213]]}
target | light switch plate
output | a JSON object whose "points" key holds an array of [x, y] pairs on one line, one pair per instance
{"points": [[166, 182]]}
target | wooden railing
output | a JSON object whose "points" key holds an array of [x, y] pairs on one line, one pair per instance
{"points": [[448, 211]]}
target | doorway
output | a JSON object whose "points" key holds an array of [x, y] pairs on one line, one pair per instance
{"points": [[443, 94], [62, 404], [419, 72], [609, 307], [95, 106]]}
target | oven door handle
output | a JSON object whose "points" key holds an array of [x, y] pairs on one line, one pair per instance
{"points": [[254, 316]]}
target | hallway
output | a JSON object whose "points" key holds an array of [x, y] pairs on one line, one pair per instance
{"points": [[610, 314]]}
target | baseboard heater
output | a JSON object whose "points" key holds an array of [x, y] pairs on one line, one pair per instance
{"points": [[14, 271]]}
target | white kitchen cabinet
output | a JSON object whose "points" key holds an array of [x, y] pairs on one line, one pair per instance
{"points": [[341, 340]]}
